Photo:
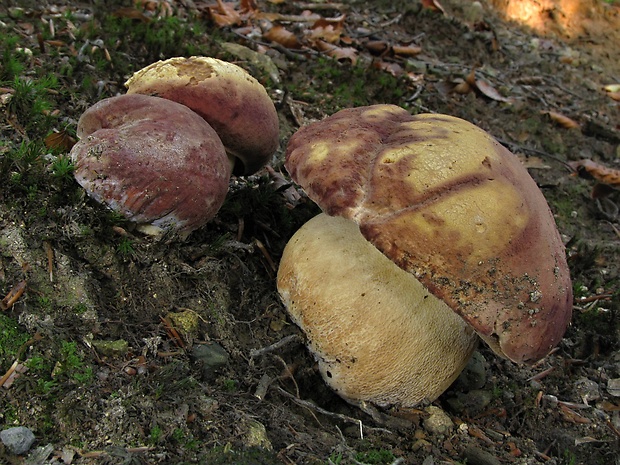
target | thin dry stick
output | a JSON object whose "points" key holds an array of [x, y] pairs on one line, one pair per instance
{"points": [[50, 259], [275, 346], [14, 294], [288, 373], [8, 374], [339, 416]]}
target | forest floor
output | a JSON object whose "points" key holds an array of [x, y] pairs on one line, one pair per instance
{"points": [[107, 355]]}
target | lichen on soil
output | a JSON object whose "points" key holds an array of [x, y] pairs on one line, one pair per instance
{"points": [[105, 333]]}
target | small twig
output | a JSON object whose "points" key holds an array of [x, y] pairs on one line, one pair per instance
{"points": [[8, 374], [322, 411], [263, 250], [514, 147], [289, 374], [101, 453], [594, 298], [14, 294], [416, 94], [542, 374], [275, 346], [50, 259], [263, 386], [613, 428]]}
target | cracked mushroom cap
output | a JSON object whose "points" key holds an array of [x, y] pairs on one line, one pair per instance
{"points": [[153, 160], [446, 202], [377, 333], [235, 104]]}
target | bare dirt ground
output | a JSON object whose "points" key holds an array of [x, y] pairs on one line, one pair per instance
{"points": [[124, 349]]}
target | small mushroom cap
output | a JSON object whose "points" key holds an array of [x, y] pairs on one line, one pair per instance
{"points": [[226, 96], [153, 160], [445, 201], [379, 336]]}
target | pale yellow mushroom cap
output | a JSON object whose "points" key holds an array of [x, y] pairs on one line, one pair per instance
{"points": [[226, 96], [378, 334]]}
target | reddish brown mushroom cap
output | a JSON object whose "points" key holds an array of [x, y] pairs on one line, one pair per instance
{"points": [[448, 203], [226, 96], [153, 160]]}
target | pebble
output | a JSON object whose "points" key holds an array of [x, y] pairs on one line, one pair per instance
{"points": [[587, 389], [475, 456], [471, 402], [438, 422], [118, 348], [18, 439], [256, 436], [613, 387], [211, 356], [474, 375]]}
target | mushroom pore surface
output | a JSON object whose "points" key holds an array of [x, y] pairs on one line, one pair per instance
{"points": [[379, 336], [235, 104], [153, 160], [446, 202]]}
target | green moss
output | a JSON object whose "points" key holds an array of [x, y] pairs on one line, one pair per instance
{"points": [[252, 456], [375, 457], [12, 338]]}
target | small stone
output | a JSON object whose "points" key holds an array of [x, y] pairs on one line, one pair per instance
{"points": [[476, 456], [587, 389], [187, 322], [18, 439], [422, 444], [474, 375], [256, 435], [212, 357], [116, 348], [471, 402], [438, 421], [613, 387]]}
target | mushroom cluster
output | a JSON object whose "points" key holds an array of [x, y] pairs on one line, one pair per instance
{"points": [[433, 233], [162, 154]]}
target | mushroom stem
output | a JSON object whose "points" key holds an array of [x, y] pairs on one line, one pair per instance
{"points": [[378, 334]]}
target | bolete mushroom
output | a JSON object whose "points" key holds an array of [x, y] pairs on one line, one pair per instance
{"points": [[448, 204], [153, 160], [235, 104]]}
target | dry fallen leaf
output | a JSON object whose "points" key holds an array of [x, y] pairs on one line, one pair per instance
{"points": [[393, 68], [131, 13], [327, 29], [339, 53], [562, 120], [59, 140], [433, 5], [591, 170], [280, 35], [224, 14], [377, 47], [406, 50], [489, 91]]}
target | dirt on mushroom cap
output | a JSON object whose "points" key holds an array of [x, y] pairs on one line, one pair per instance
{"points": [[448, 203], [225, 95]]}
